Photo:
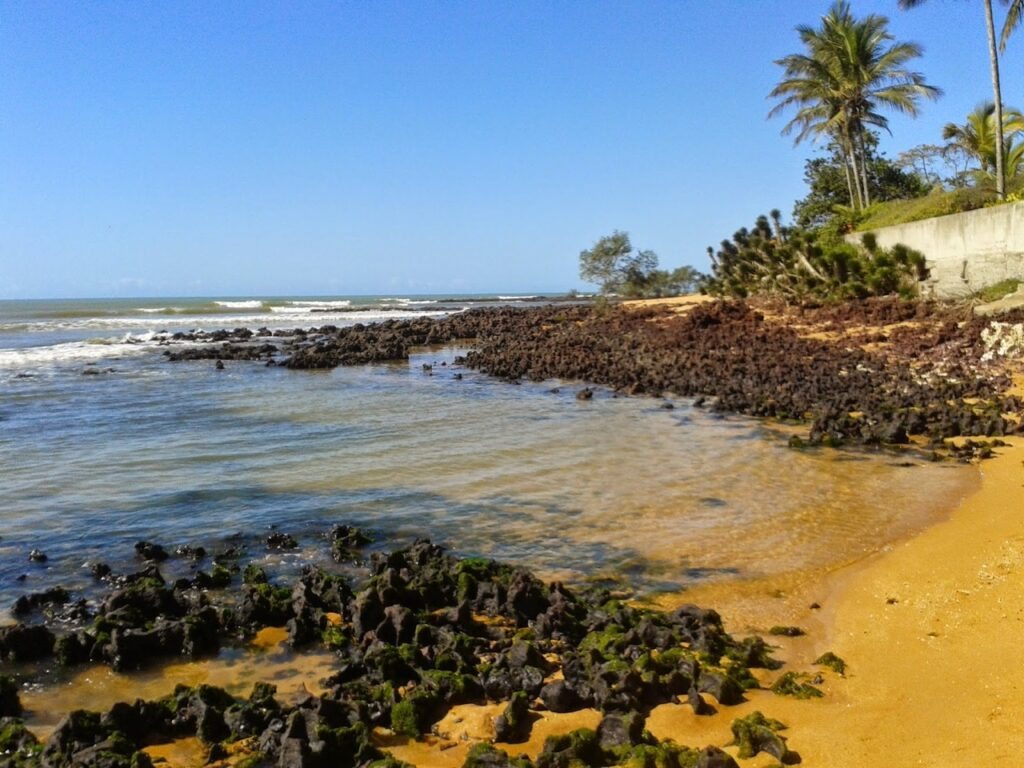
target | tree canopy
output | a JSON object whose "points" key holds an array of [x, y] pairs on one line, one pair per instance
{"points": [[978, 138], [849, 71], [1014, 13], [617, 268], [827, 190]]}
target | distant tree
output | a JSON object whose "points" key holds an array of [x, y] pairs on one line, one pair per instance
{"points": [[936, 164], [602, 264], [826, 180], [612, 264]]}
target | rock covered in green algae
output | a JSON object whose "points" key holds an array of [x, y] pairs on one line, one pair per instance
{"points": [[796, 685], [757, 733], [18, 746], [833, 662], [513, 725], [485, 756], [410, 643]]}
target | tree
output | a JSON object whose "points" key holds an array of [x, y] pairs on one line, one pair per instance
{"points": [[937, 165], [977, 138], [617, 268], [1013, 16], [827, 189], [851, 69], [602, 262]]}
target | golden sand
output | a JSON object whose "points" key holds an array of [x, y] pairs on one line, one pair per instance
{"points": [[680, 305], [931, 630]]}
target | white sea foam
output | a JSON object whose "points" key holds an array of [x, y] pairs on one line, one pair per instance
{"points": [[298, 317], [121, 337], [248, 304], [514, 298], [90, 350], [408, 302], [158, 310], [298, 307]]}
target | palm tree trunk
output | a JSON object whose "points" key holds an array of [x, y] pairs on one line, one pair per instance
{"points": [[993, 56], [849, 182], [851, 159], [864, 169]]}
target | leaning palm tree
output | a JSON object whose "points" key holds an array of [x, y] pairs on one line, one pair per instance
{"points": [[851, 69], [1013, 17]]}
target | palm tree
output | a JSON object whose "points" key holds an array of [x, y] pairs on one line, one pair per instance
{"points": [[978, 138], [1013, 16], [851, 68]]}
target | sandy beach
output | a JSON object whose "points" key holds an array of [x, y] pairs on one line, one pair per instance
{"points": [[925, 613], [930, 630]]}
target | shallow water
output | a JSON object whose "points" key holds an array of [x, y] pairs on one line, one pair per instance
{"points": [[621, 489], [183, 453]]}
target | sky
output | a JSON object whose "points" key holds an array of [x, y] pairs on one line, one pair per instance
{"points": [[336, 148]]}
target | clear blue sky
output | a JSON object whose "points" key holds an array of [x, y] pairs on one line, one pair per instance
{"points": [[198, 148]]}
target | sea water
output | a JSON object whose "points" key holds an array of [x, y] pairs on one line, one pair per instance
{"points": [[103, 443]]}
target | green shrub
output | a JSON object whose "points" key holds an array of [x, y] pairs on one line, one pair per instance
{"points": [[799, 265], [939, 203]]}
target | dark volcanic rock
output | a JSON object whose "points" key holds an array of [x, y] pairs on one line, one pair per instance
{"points": [[513, 725], [10, 704], [25, 642]]}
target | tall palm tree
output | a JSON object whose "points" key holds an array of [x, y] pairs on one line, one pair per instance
{"points": [[1013, 17], [851, 68]]}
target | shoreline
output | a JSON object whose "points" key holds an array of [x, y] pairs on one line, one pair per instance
{"points": [[930, 630], [913, 620], [944, 654]]}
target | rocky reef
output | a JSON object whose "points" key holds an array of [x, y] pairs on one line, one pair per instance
{"points": [[415, 632], [813, 366]]}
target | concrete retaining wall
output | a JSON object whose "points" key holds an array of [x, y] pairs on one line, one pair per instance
{"points": [[965, 251]]}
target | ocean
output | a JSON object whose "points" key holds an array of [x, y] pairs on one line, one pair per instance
{"points": [[104, 442]]}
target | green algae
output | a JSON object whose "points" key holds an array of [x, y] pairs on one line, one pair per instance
{"points": [[757, 733], [793, 684], [833, 662]]}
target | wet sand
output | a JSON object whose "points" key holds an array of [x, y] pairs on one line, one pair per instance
{"points": [[931, 631]]}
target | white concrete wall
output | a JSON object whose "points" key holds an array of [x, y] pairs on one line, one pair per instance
{"points": [[965, 251]]}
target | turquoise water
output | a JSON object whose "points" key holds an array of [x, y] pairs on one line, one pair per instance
{"points": [[181, 453]]}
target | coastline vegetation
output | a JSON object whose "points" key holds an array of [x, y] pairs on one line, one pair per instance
{"points": [[804, 265], [850, 70], [620, 270]]}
